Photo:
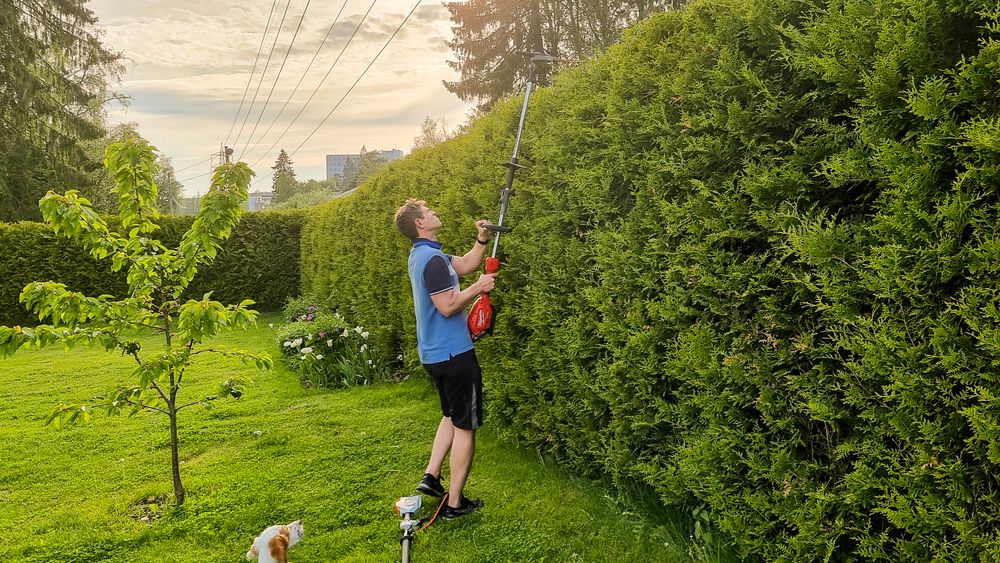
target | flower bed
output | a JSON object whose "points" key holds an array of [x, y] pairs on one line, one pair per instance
{"points": [[326, 350]]}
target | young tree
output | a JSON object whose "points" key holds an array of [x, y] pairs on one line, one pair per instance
{"points": [[157, 276], [284, 184]]}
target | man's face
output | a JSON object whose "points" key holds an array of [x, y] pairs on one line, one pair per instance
{"points": [[430, 221]]}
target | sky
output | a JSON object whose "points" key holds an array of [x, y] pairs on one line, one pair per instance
{"points": [[190, 63]]}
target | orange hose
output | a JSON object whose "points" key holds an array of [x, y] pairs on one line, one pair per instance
{"points": [[436, 512]]}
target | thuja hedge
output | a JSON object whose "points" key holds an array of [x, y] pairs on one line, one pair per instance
{"points": [[755, 266], [260, 261]]}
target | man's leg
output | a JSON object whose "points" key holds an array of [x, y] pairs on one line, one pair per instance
{"points": [[442, 443], [463, 448]]}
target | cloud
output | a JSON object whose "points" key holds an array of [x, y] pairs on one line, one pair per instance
{"points": [[190, 63]]}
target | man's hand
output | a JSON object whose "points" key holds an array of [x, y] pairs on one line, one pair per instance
{"points": [[484, 233], [485, 283]]}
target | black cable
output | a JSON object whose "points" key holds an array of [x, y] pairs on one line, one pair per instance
{"points": [[196, 177], [391, 37], [193, 165], [263, 72], [260, 48], [267, 100], [318, 86], [296, 88]]}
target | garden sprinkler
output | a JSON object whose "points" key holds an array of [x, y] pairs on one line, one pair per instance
{"points": [[482, 315]]}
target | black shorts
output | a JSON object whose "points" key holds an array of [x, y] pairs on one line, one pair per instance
{"points": [[459, 383]]}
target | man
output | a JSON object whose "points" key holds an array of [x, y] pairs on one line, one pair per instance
{"points": [[445, 347]]}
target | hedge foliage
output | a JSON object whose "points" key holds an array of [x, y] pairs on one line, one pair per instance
{"points": [[755, 266], [260, 261]]}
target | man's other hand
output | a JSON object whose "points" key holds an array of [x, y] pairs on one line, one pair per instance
{"points": [[486, 283], [484, 233]]}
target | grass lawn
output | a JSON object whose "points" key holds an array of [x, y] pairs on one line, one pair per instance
{"points": [[337, 460]]}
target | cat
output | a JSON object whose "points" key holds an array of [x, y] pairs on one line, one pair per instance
{"points": [[272, 545]]}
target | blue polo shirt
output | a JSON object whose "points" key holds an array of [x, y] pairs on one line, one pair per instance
{"points": [[439, 338]]}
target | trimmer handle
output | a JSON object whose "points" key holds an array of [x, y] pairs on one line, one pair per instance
{"points": [[492, 265], [498, 228]]}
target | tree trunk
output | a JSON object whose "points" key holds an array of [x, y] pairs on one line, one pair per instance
{"points": [[174, 458]]}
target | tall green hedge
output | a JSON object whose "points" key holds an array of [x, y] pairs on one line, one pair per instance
{"points": [[755, 266], [260, 261]]}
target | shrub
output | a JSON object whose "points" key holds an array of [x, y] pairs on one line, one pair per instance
{"points": [[302, 308], [260, 261], [326, 351], [754, 267]]}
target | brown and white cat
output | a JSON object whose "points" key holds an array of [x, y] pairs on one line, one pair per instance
{"points": [[272, 545]]}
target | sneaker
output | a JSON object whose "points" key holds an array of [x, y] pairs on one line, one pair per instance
{"points": [[430, 485], [467, 507]]}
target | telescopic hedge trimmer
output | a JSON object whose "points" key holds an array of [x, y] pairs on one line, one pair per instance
{"points": [[482, 316]]}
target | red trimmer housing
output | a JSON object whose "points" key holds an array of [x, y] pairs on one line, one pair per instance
{"points": [[481, 317]]}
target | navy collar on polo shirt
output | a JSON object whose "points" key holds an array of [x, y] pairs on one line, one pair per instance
{"points": [[427, 242]]}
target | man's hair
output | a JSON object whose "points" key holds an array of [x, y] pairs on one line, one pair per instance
{"points": [[407, 215]]}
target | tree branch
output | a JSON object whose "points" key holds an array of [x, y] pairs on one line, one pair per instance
{"points": [[196, 403], [159, 390], [147, 407]]}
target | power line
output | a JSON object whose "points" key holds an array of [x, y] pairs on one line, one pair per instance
{"points": [[263, 72], [193, 165], [196, 177], [260, 48], [391, 37], [365, 71], [289, 98], [318, 86], [276, 78]]}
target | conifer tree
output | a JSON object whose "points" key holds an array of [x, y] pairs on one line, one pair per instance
{"points": [[494, 41], [54, 80], [284, 184]]}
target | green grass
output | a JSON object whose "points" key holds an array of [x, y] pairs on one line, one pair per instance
{"points": [[337, 460]]}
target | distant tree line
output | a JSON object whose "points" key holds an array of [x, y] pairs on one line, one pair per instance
{"points": [[290, 193]]}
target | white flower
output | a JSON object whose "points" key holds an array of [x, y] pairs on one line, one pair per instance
{"points": [[364, 335], [288, 343], [344, 334], [306, 350], [297, 342], [358, 329], [302, 357], [329, 343], [271, 325], [399, 357], [363, 348], [369, 362], [319, 356]]}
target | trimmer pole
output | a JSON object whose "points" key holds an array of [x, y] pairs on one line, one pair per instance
{"points": [[481, 316], [513, 165]]}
